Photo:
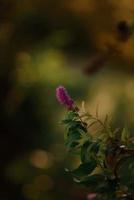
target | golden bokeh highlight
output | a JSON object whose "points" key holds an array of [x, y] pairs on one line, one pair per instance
{"points": [[41, 159]]}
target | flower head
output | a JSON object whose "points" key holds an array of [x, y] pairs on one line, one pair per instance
{"points": [[64, 98]]}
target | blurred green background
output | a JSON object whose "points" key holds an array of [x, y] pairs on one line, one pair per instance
{"points": [[43, 44]]}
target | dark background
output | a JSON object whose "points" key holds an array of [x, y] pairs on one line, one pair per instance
{"points": [[85, 45]]}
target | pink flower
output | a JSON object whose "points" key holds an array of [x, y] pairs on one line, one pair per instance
{"points": [[64, 98], [91, 196]]}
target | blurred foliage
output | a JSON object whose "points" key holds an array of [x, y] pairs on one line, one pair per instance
{"points": [[45, 43]]}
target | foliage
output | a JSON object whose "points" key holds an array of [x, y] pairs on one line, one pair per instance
{"points": [[106, 155]]}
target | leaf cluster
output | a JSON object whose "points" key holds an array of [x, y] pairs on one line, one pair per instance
{"points": [[106, 161]]}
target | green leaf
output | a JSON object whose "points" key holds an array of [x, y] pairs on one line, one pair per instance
{"points": [[73, 144], [126, 171], [94, 148], [76, 125], [72, 139], [72, 115], [66, 121], [89, 151], [73, 122], [124, 135], [84, 152], [108, 126], [93, 180], [85, 169], [98, 183]]}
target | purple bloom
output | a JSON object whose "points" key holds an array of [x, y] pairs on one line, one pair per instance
{"points": [[64, 98]]}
